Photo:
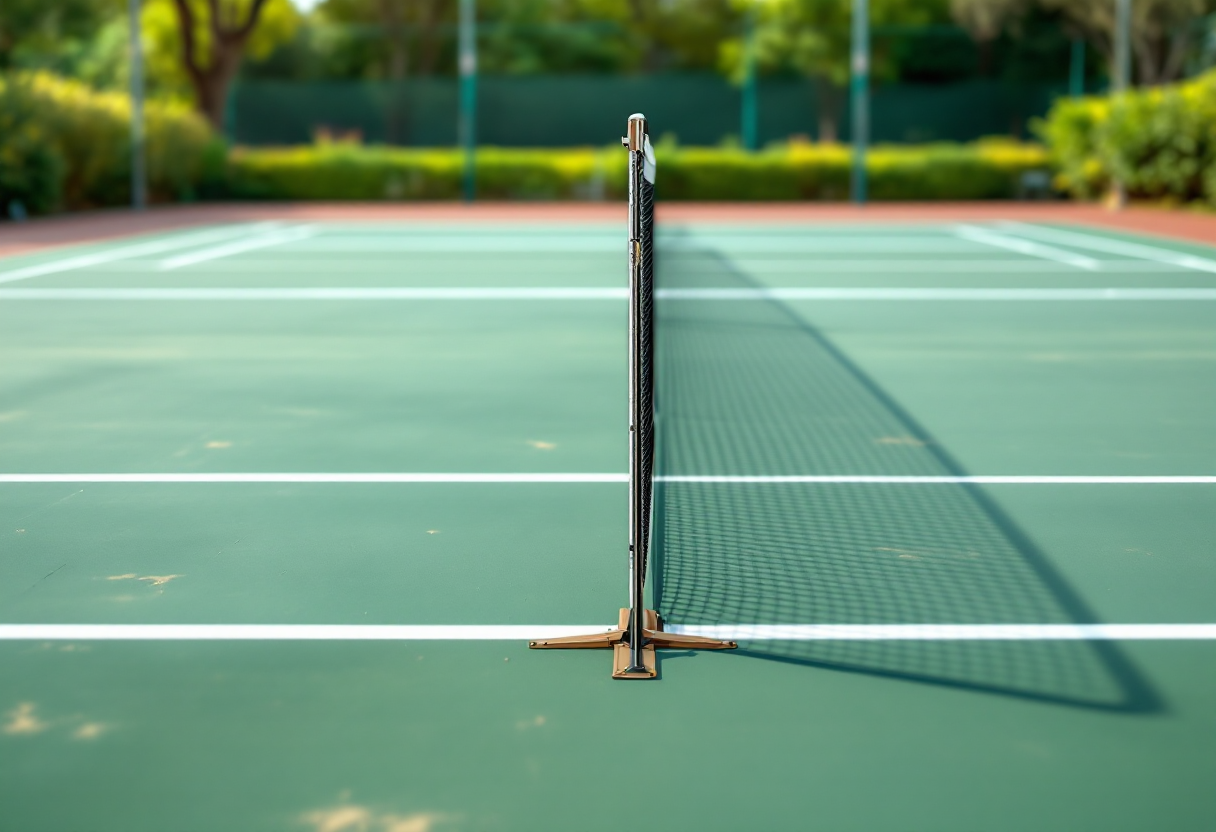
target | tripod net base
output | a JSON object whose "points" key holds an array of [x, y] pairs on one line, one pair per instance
{"points": [[615, 639]]}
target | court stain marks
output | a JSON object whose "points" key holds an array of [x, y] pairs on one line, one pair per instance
{"points": [[353, 817], [24, 720], [153, 580]]}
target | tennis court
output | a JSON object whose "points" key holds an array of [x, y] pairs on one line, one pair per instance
{"points": [[285, 499]]}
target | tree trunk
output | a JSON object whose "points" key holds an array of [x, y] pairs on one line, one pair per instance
{"points": [[211, 88], [212, 76]]}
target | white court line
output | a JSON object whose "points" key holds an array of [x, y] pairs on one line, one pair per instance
{"points": [[867, 479], [946, 632], [325, 293], [868, 294], [475, 243], [386, 477], [609, 293], [273, 239], [125, 252], [524, 632], [389, 477], [983, 235], [1095, 243], [992, 265]]}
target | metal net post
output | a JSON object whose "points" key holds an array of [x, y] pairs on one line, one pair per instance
{"points": [[641, 374]]}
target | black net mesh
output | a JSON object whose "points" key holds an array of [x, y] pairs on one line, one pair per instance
{"points": [[749, 387], [646, 361]]}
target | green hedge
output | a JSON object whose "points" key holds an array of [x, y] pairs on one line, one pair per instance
{"points": [[64, 145], [1160, 142], [985, 170]]}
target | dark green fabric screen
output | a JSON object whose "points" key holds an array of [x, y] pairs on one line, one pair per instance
{"points": [[563, 111]]}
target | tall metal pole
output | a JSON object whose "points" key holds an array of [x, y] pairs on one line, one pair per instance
{"points": [[860, 96], [750, 111], [468, 95], [1076, 69], [139, 187], [1121, 77]]}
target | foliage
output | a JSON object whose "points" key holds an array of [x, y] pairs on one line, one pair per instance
{"points": [[984, 170], [80, 142], [1164, 33], [31, 29], [198, 44], [31, 172], [812, 38], [1160, 142]]}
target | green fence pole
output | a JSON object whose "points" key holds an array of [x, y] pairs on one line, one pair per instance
{"points": [[860, 94], [468, 95], [750, 112], [1121, 77], [139, 186], [1076, 69]]}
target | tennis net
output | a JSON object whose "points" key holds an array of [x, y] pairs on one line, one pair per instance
{"points": [[753, 387]]}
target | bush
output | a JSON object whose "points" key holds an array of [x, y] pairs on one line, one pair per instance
{"points": [[1160, 142], [85, 134], [985, 170], [31, 171]]}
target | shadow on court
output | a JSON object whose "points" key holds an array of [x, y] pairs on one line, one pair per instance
{"points": [[748, 387]]}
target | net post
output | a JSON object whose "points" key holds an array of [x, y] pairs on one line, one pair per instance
{"points": [[640, 420], [639, 632]]}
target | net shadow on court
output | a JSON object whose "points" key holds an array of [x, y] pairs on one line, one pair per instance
{"points": [[749, 387]]}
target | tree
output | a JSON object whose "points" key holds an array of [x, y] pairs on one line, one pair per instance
{"points": [[813, 38], [404, 33], [30, 29], [1163, 32], [205, 41]]}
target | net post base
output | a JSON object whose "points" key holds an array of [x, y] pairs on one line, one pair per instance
{"points": [[620, 663], [615, 640]]}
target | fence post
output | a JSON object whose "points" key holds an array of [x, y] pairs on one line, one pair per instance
{"points": [[750, 114], [468, 95], [860, 88], [1076, 69], [1120, 78]]}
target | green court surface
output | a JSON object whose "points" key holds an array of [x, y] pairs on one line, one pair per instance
{"points": [[929, 475]]}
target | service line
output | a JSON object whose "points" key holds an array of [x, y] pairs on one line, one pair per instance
{"points": [[110, 255], [525, 632], [426, 293], [728, 479]]}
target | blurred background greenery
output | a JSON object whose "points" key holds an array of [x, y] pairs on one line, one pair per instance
{"points": [[358, 99]]}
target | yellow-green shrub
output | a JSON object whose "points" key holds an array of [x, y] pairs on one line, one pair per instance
{"points": [[1159, 142], [89, 133], [983, 170]]}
